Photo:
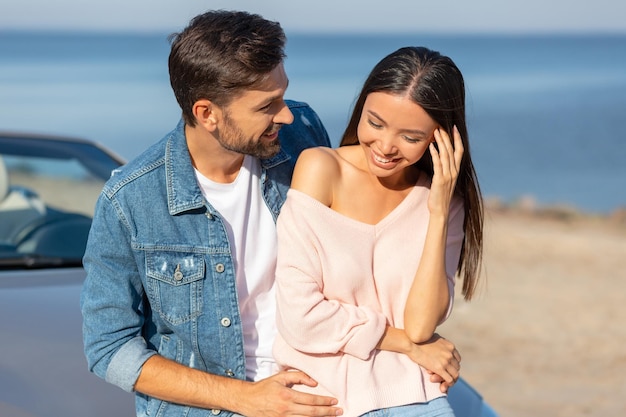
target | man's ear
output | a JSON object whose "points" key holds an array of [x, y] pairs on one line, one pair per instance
{"points": [[207, 114]]}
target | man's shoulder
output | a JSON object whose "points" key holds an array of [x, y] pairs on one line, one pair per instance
{"points": [[134, 170], [307, 129], [293, 104]]}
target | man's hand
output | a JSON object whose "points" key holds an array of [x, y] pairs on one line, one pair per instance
{"points": [[274, 397]]}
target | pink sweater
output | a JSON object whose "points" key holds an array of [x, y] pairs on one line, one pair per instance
{"points": [[339, 282]]}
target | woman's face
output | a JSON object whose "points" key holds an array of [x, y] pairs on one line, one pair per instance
{"points": [[394, 133]]}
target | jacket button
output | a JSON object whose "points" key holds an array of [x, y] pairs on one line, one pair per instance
{"points": [[230, 373], [178, 276], [215, 412], [219, 267], [225, 322]]}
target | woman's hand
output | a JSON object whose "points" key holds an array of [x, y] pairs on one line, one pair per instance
{"points": [[437, 355], [446, 166], [440, 359]]}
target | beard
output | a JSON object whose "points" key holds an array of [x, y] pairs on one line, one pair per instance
{"points": [[234, 140]]}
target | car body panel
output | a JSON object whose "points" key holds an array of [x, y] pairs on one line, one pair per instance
{"points": [[43, 370]]}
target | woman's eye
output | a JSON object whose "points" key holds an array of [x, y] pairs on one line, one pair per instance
{"points": [[374, 125], [411, 140]]}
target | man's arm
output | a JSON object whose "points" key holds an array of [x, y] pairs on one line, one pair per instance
{"points": [[176, 383]]}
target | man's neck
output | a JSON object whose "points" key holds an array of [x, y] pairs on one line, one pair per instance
{"points": [[210, 158]]}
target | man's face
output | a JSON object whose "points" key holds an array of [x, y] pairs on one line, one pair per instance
{"points": [[250, 123]]}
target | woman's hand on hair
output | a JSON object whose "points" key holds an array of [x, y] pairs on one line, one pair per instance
{"points": [[446, 166]]}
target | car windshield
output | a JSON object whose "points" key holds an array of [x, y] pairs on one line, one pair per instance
{"points": [[48, 191]]}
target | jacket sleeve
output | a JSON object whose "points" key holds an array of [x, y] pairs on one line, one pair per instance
{"points": [[306, 131], [111, 301], [307, 319]]}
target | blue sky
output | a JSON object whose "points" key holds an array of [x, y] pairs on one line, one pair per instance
{"points": [[438, 16]]}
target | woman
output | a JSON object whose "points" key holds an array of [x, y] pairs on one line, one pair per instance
{"points": [[371, 237]]}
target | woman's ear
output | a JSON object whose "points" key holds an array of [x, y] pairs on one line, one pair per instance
{"points": [[432, 137], [207, 114]]}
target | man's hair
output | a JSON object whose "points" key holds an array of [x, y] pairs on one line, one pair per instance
{"points": [[220, 54]]}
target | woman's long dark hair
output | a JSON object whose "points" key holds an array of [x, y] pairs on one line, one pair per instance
{"points": [[435, 83]]}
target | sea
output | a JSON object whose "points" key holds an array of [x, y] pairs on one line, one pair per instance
{"points": [[545, 112]]}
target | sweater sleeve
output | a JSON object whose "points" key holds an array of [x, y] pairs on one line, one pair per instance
{"points": [[307, 319]]}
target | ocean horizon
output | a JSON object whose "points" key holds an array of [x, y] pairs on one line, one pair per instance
{"points": [[544, 111]]}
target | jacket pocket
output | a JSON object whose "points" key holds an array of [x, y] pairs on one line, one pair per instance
{"points": [[174, 284]]}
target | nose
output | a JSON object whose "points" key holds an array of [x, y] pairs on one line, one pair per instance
{"points": [[386, 145], [284, 115]]}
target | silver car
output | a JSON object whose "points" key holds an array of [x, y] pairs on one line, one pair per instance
{"points": [[48, 189]]}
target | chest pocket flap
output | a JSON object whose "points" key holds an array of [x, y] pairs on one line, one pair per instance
{"points": [[174, 284]]}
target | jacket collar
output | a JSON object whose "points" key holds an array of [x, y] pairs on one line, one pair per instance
{"points": [[183, 191]]}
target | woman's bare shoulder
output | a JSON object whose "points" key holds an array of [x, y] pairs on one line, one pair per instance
{"points": [[316, 172], [350, 154]]}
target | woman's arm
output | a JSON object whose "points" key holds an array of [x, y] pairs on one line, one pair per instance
{"points": [[437, 355], [431, 293], [306, 318]]}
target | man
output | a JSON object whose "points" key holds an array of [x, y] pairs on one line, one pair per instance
{"points": [[178, 303]]}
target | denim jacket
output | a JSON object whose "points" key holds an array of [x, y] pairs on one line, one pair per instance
{"points": [[160, 272]]}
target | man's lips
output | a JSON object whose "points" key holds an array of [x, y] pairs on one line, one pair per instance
{"points": [[272, 134]]}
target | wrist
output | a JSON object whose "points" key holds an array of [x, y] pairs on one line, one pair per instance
{"points": [[240, 390], [395, 340], [438, 217]]}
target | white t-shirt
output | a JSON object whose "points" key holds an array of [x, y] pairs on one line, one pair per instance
{"points": [[252, 234]]}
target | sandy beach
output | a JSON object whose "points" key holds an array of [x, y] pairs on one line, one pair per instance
{"points": [[545, 335]]}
